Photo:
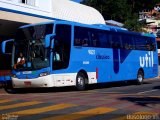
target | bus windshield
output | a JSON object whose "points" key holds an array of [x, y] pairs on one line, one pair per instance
{"points": [[30, 52]]}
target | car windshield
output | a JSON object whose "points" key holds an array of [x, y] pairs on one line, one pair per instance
{"points": [[30, 51]]}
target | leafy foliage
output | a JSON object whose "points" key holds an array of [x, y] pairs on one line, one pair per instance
{"points": [[125, 11]]}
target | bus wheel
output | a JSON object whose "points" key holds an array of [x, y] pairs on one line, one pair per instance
{"points": [[9, 88], [80, 81], [140, 77]]}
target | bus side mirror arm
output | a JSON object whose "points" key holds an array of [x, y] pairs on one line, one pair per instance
{"points": [[48, 40], [4, 45]]}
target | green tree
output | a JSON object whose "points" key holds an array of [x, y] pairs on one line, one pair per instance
{"points": [[125, 11], [110, 9], [133, 24]]}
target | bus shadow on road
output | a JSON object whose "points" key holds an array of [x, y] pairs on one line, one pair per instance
{"points": [[144, 101], [151, 102], [42, 90], [113, 84], [156, 87], [99, 86]]}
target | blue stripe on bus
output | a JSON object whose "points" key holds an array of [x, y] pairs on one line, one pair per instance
{"points": [[4, 78], [116, 60], [30, 74], [124, 54]]}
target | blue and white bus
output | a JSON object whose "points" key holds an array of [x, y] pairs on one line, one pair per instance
{"points": [[62, 53]]}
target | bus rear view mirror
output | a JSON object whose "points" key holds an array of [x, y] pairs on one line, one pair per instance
{"points": [[48, 39], [7, 46]]}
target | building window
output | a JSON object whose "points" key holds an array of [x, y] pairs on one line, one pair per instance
{"points": [[29, 2]]}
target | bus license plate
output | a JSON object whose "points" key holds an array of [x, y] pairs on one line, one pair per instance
{"points": [[27, 83]]}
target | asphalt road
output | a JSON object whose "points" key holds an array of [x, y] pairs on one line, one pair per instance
{"points": [[113, 101]]}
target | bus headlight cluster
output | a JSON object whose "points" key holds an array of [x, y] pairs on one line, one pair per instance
{"points": [[44, 74], [13, 75]]}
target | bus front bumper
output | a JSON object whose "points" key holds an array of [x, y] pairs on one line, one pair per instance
{"points": [[45, 81]]}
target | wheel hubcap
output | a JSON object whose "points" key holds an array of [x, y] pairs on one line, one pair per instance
{"points": [[80, 81], [140, 78]]}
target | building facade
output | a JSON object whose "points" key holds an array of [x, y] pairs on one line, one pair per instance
{"points": [[14, 13]]}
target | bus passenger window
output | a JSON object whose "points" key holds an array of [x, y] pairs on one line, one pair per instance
{"points": [[95, 43], [81, 37], [85, 42], [94, 39], [109, 42], [57, 56], [150, 46], [153, 47], [103, 39], [62, 46], [77, 42], [116, 41], [126, 46]]}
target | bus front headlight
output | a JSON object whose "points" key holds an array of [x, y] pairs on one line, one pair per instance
{"points": [[44, 74], [13, 75]]}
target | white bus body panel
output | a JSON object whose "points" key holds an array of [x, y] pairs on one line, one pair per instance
{"points": [[46, 81], [56, 80]]}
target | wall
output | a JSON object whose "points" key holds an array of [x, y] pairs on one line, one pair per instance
{"points": [[37, 8]]}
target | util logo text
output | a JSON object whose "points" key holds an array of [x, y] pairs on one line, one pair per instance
{"points": [[147, 60]]}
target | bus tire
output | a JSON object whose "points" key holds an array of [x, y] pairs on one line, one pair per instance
{"points": [[9, 87], [10, 90], [140, 77], [80, 81]]}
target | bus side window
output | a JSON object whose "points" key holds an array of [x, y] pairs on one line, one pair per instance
{"points": [[95, 42], [81, 37], [85, 42], [132, 44], [109, 42], [151, 45], [116, 41], [95, 38], [103, 39], [127, 42], [61, 53], [140, 43], [77, 42]]}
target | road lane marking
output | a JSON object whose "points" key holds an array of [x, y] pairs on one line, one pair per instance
{"points": [[5, 94], [19, 105], [4, 101], [146, 113], [42, 109], [82, 114], [154, 96], [147, 91]]}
